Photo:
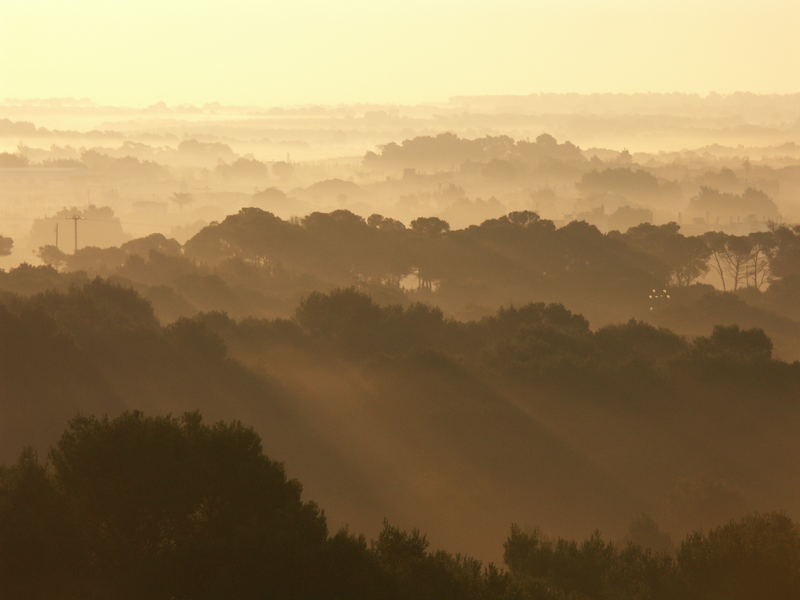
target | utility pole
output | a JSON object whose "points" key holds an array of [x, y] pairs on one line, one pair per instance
{"points": [[75, 218], [57, 235]]}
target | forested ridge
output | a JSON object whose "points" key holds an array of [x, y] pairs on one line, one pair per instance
{"points": [[383, 411], [256, 264]]}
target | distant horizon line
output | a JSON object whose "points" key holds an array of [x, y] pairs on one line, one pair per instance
{"points": [[78, 102]]}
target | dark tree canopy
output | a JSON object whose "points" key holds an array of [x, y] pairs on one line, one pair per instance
{"points": [[161, 507]]}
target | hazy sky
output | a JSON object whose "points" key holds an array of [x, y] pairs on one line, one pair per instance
{"points": [[327, 51]]}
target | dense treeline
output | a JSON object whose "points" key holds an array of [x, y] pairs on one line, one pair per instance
{"points": [[502, 154], [178, 189], [256, 264], [159, 507], [405, 405]]}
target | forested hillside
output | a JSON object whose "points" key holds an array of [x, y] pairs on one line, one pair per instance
{"points": [[256, 264], [383, 411]]}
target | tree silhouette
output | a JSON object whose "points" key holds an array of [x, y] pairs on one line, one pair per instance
{"points": [[6, 245]]}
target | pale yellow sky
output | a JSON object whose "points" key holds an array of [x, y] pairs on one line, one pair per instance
{"points": [[313, 51]]}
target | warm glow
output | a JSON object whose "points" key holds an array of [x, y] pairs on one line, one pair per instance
{"points": [[313, 51]]}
